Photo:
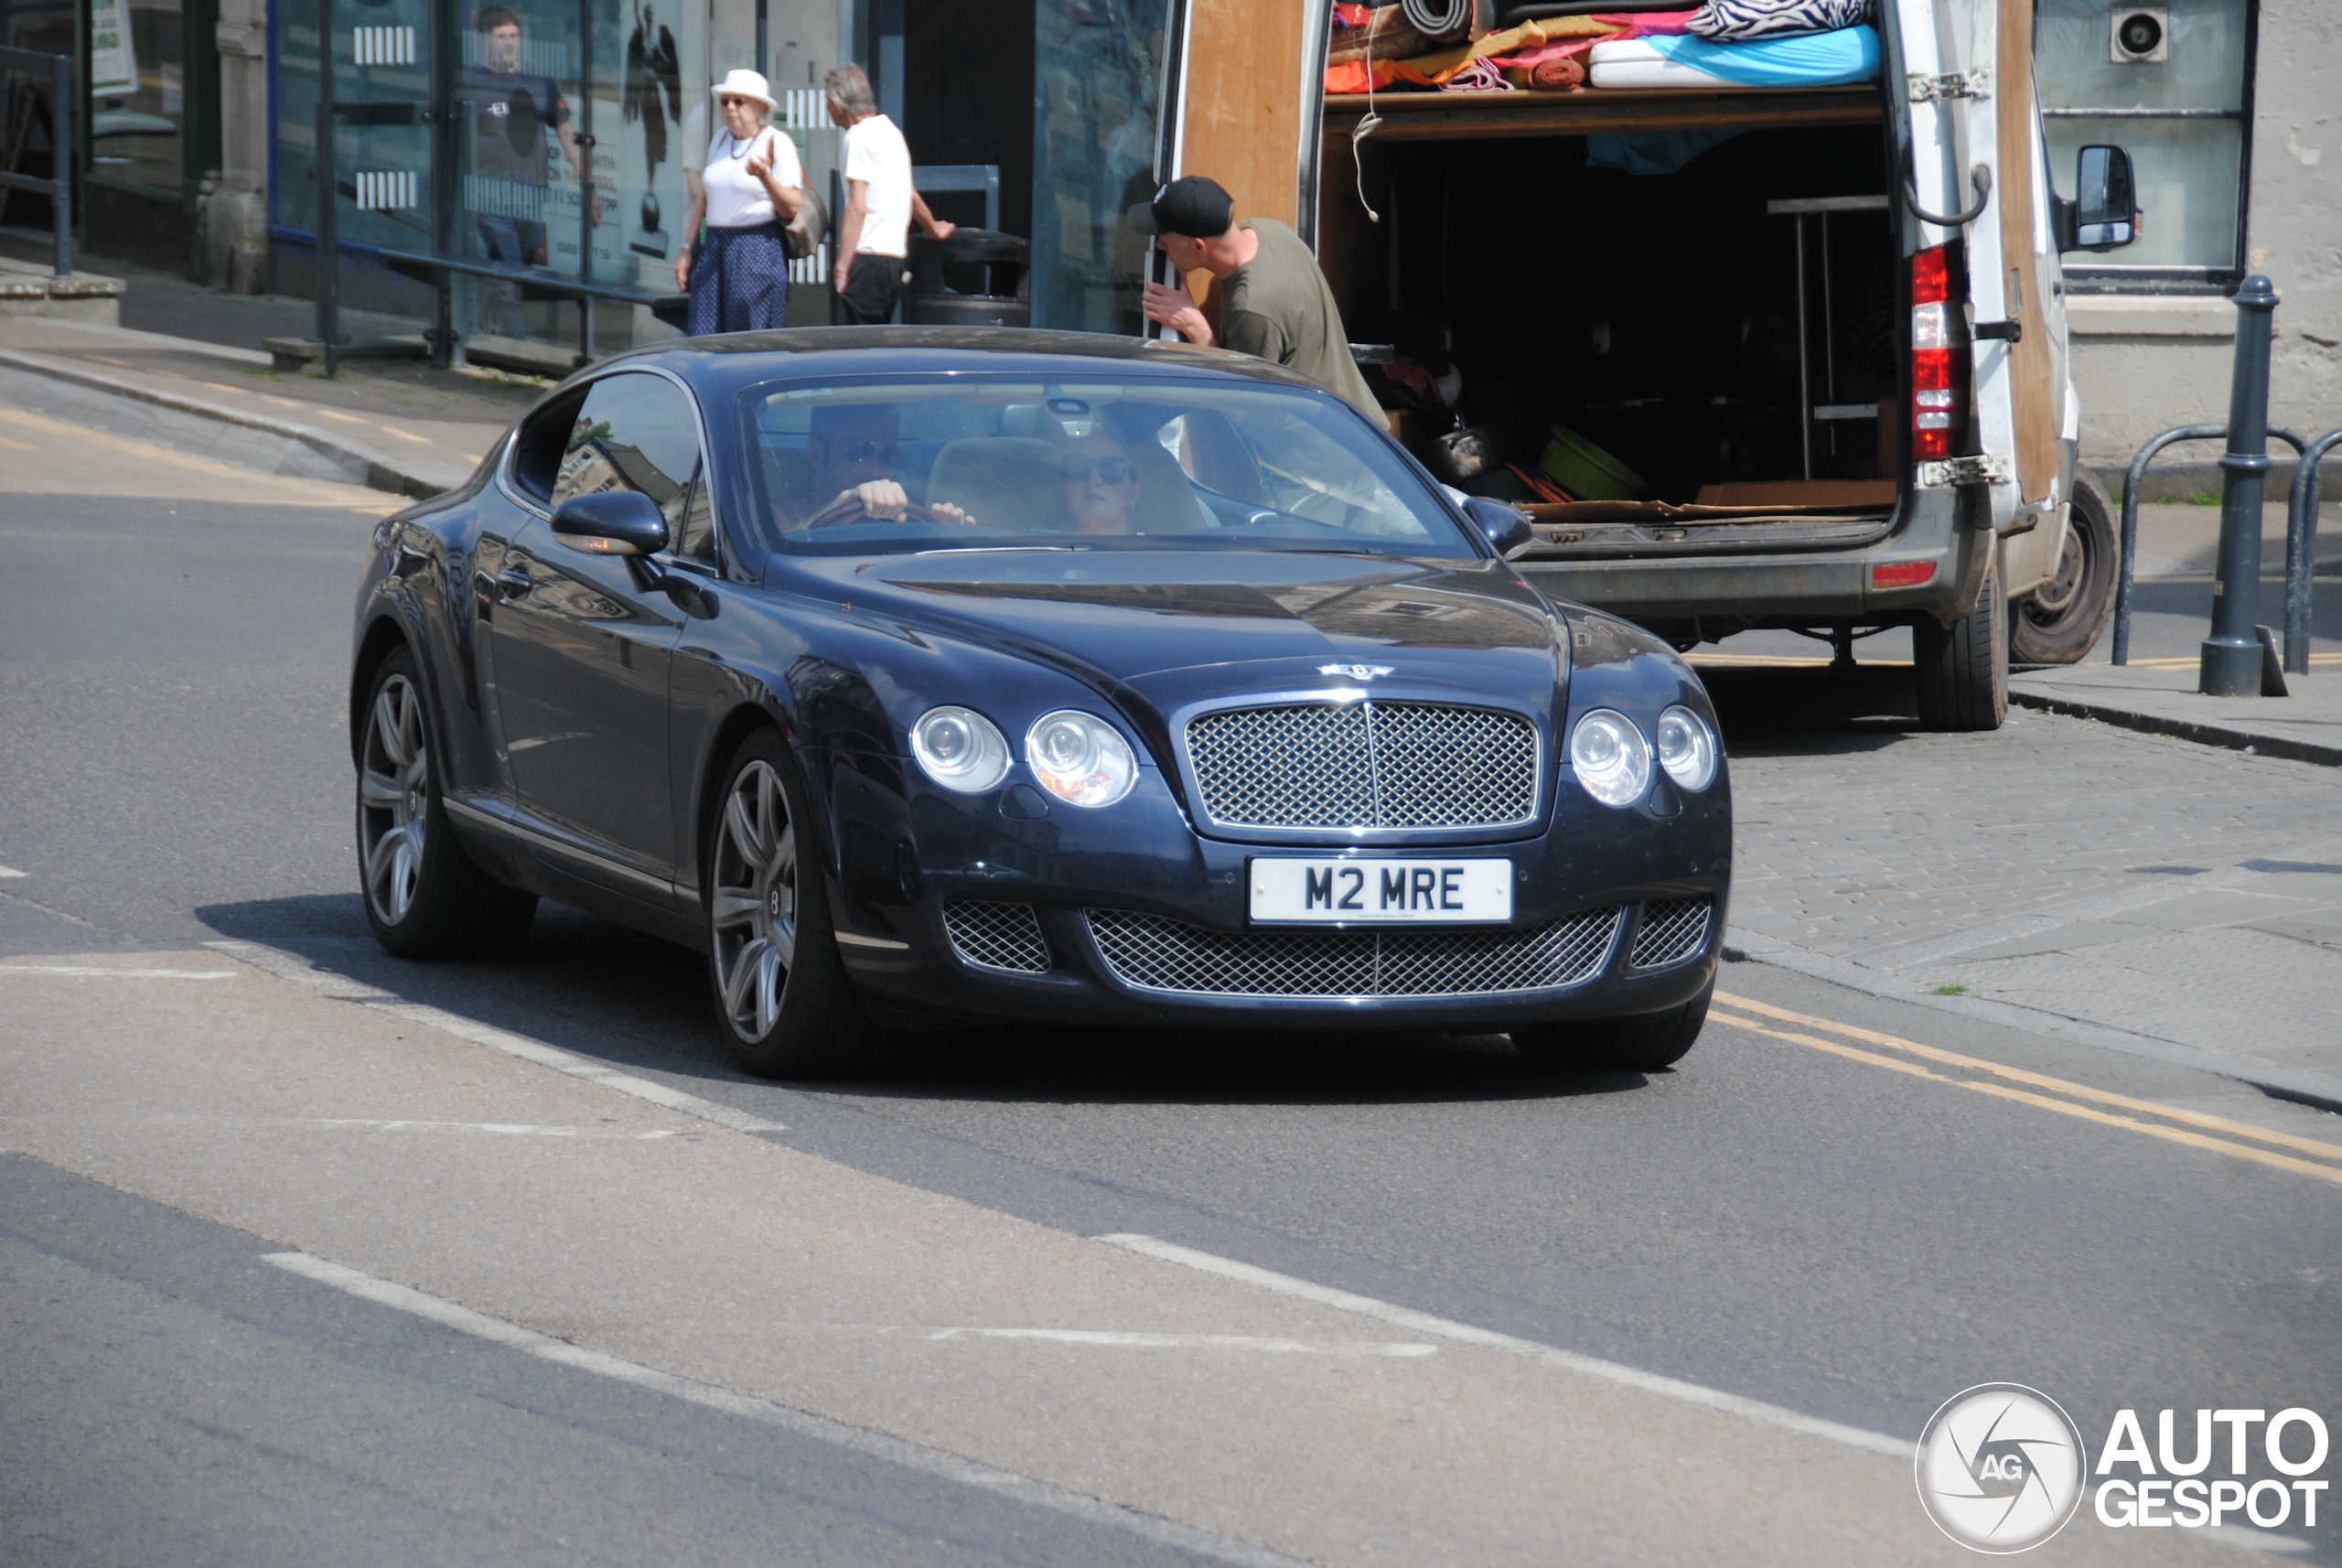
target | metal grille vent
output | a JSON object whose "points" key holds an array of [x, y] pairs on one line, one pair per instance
{"points": [[1154, 953], [997, 936], [1670, 932], [1365, 765]]}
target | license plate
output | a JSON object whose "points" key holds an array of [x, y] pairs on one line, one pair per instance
{"points": [[1382, 892]]}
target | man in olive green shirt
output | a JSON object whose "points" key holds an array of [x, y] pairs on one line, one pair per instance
{"points": [[1276, 304]]}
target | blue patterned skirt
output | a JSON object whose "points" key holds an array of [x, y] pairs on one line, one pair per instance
{"points": [[739, 281]]}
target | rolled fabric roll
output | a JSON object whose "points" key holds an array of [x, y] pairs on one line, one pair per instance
{"points": [[1387, 35], [1557, 75]]}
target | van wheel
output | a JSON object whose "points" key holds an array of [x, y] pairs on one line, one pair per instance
{"points": [[1963, 669], [2059, 622], [782, 997], [1644, 1043]]}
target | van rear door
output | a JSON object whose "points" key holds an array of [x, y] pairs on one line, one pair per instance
{"points": [[1967, 95]]}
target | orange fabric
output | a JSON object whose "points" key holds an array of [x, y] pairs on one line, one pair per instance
{"points": [[1352, 78]]}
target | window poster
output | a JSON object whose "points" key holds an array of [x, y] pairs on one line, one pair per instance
{"points": [[113, 57]]}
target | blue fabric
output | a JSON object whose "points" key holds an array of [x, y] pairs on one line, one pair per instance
{"points": [[739, 281], [1649, 152], [1810, 59]]}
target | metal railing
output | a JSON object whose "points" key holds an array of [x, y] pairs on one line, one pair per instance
{"points": [[2297, 643], [59, 186]]}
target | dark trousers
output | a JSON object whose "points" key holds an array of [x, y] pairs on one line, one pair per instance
{"points": [[871, 289], [516, 242]]}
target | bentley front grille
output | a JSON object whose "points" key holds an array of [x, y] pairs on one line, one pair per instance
{"points": [[1365, 765], [1152, 953], [1670, 932], [997, 936]]}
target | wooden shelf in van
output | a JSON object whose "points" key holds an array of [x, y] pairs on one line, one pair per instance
{"points": [[1454, 116]]}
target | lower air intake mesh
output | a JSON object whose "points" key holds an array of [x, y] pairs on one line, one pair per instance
{"points": [[1670, 932], [1152, 952], [997, 936]]}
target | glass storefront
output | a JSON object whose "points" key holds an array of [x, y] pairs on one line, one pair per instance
{"points": [[554, 136]]}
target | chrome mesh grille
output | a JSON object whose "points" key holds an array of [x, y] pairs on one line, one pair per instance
{"points": [[997, 936], [1365, 765], [1670, 932], [1152, 952]]}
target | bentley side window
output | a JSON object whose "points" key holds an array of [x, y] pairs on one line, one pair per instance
{"points": [[635, 432]]}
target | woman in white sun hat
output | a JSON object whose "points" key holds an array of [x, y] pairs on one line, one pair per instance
{"points": [[748, 191]]}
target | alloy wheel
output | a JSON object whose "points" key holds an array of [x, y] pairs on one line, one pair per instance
{"points": [[394, 799], [754, 910]]}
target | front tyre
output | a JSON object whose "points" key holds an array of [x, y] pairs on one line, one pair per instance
{"points": [[1962, 670], [2059, 622], [1644, 1043], [425, 896], [782, 996]]}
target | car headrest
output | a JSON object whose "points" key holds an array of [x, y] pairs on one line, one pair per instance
{"points": [[1007, 483]]}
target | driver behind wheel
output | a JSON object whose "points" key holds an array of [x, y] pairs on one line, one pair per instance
{"points": [[854, 452]]}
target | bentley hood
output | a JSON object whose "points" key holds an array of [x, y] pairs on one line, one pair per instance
{"points": [[1178, 626]]}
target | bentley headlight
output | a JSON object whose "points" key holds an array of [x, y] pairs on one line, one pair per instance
{"points": [[960, 749], [1080, 759], [1610, 758], [1687, 748]]}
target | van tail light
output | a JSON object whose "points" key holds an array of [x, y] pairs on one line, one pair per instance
{"points": [[1936, 411]]}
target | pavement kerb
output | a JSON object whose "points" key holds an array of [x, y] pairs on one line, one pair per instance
{"points": [[2319, 1091], [2203, 732], [375, 470]]}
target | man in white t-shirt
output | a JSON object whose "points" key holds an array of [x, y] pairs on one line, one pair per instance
{"points": [[873, 231]]}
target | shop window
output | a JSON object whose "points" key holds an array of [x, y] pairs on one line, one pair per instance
{"points": [[138, 91], [2181, 104]]}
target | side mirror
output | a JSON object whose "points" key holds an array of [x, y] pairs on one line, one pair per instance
{"points": [[1506, 527], [611, 523], [2104, 213]]}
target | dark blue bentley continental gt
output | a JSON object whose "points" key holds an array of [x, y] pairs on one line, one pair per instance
{"points": [[931, 677]]}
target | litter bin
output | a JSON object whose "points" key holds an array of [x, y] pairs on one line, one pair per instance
{"points": [[976, 278]]}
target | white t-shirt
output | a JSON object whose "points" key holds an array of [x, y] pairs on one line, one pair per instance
{"points": [[737, 199], [876, 151]]}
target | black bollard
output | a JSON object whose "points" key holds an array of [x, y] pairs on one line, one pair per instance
{"points": [[2231, 656]]}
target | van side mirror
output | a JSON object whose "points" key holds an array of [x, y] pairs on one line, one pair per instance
{"points": [[2104, 213], [611, 523], [1505, 527]]}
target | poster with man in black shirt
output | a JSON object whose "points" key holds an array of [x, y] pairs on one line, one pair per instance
{"points": [[507, 111]]}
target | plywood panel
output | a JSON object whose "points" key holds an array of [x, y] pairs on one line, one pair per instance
{"points": [[2033, 400], [1245, 101]]}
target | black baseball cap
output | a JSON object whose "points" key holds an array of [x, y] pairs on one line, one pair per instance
{"points": [[1197, 206]]}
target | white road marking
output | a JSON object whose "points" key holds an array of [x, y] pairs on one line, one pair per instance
{"points": [[509, 1129], [8, 871], [91, 969], [294, 967], [874, 1445], [1133, 1340], [1488, 1339]]}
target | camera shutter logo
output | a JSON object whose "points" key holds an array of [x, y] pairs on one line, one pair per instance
{"points": [[2001, 1467]]}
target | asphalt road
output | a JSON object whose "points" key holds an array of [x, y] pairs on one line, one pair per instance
{"points": [[1774, 1220]]}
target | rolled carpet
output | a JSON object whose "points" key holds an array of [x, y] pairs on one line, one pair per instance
{"points": [[1450, 20]]}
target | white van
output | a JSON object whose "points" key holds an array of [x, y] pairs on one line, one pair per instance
{"points": [[1806, 347]]}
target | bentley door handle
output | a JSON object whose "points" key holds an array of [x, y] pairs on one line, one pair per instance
{"points": [[512, 581]]}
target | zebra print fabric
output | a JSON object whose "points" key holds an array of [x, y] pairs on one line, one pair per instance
{"points": [[1737, 21]]}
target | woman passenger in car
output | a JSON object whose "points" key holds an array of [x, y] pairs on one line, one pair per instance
{"points": [[1097, 484]]}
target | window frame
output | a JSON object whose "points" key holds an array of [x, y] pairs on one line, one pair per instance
{"points": [[2098, 276], [561, 410]]}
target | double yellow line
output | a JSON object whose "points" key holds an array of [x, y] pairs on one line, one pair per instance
{"points": [[2078, 1100]]}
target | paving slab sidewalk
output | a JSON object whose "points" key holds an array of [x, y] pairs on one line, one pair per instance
{"points": [[2158, 696], [400, 427]]}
